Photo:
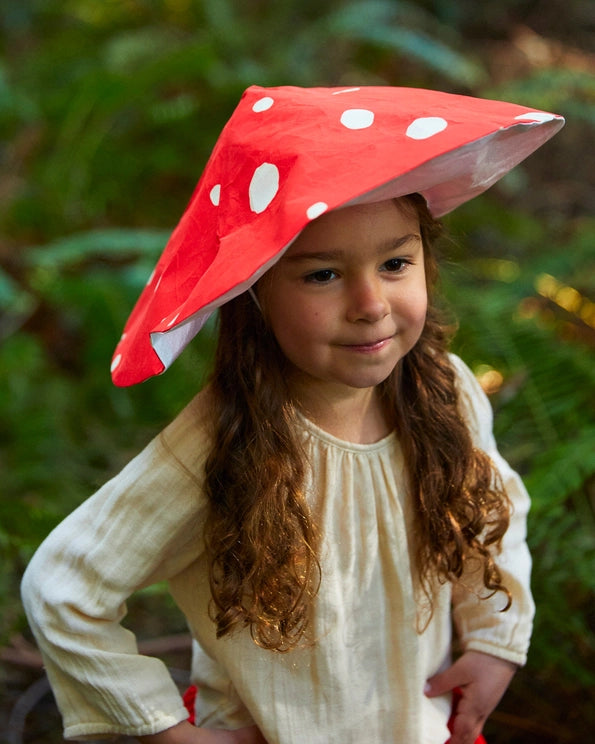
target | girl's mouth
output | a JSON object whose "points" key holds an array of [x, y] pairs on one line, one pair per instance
{"points": [[369, 347]]}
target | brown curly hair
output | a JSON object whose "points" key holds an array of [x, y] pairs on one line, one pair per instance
{"points": [[260, 537]]}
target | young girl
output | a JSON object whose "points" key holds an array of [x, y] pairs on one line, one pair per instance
{"points": [[333, 499]]}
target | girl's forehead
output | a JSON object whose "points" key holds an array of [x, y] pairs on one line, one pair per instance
{"points": [[384, 220]]}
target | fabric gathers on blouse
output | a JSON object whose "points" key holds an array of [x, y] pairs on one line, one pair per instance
{"points": [[375, 646]]}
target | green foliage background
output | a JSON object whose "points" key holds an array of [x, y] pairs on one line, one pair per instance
{"points": [[108, 112]]}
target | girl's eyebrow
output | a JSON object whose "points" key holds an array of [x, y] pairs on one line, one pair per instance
{"points": [[382, 248]]}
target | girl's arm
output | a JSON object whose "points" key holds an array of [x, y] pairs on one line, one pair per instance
{"points": [[480, 623], [142, 527], [494, 643]]}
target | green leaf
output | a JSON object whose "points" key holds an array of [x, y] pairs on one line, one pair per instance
{"points": [[115, 243]]}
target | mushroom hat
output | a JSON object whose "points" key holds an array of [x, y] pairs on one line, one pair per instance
{"points": [[289, 154]]}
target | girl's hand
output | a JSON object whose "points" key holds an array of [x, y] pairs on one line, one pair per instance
{"points": [[247, 735], [483, 680], [186, 733]]}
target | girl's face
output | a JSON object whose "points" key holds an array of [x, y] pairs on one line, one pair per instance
{"points": [[348, 299]]}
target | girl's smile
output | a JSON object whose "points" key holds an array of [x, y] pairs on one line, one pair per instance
{"points": [[369, 347], [348, 299]]}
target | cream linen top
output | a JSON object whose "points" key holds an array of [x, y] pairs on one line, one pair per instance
{"points": [[363, 679]]}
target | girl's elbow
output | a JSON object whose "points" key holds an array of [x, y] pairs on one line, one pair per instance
{"points": [[40, 590], [32, 590]]}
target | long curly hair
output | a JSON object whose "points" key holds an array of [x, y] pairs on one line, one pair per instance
{"points": [[261, 540]]}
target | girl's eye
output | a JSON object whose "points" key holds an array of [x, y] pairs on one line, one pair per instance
{"points": [[320, 277], [395, 265]]}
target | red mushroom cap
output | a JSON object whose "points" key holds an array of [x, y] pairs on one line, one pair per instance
{"points": [[289, 154]]}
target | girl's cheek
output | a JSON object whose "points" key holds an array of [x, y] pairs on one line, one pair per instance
{"points": [[419, 306]]}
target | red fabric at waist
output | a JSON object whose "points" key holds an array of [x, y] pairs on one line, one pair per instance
{"points": [[456, 696]]}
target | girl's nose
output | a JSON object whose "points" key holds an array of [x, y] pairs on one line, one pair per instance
{"points": [[367, 301]]}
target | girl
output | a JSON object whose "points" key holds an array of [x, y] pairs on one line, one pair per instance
{"points": [[333, 499]]}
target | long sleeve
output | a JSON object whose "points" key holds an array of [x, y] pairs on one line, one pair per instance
{"points": [[141, 527], [480, 624]]}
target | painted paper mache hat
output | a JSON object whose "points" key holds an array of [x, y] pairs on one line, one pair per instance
{"points": [[286, 156]]}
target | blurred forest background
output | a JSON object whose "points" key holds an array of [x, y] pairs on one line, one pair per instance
{"points": [[108, 112]]}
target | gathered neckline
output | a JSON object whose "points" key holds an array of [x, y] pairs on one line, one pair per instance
{"points": [[344, 444]]}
